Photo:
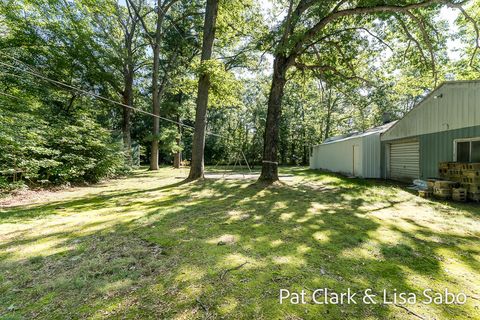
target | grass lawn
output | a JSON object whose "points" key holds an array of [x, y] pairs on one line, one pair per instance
{"points": [[150, 246]]}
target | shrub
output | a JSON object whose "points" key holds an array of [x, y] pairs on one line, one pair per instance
{"points": [[36, 147], [84, 152]]}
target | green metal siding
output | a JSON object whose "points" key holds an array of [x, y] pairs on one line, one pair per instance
{"points": [[434, 148], [452, 106], [438, 147]]}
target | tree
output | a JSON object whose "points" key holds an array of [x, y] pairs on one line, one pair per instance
{"points": [[468, 66], [129, 23], [51, 133], [155, 41], [197, 165], [311, 23], [121, 54]]}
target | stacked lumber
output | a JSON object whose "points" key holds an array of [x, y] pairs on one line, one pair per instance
{"points": [[467, 174]]}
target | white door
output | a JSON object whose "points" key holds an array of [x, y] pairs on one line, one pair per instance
{"points": [[405, 161], [356, 163]]}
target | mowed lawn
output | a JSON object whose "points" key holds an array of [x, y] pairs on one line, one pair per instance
{"points": [[151, 246]]}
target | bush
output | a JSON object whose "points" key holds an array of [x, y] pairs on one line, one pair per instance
{"points": [[84, 152], [23, 150], [35, 147]]}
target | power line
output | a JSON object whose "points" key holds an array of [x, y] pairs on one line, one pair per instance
{"points": [[241, 151], [10, 96], [173, 23], [35, 74]]}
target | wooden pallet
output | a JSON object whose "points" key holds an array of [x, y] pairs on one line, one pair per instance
{"points": [[443, 165], [459, 198], [431, 183], [467, 176], [474, 188], [471, 173], [454, 165], [473, 166], [471, 187], [459, 194], [445, 184], [444, 193], [425, 193], [459, 191], [472, 180], [442, 173]]}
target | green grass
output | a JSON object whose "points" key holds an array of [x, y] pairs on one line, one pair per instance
{"points": [[151, 246]]}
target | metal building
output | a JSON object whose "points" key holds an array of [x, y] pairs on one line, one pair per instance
{"points": [[357, 154], [444, 126]]}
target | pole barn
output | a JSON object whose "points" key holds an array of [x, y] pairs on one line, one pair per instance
{"points": [[357, 154], [443, 127]]}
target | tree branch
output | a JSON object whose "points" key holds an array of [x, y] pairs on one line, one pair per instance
{"points": [[411, 37], [320, 69], [313, 31], [475, 27], [142, 21], [345, 30], [426, 38]]}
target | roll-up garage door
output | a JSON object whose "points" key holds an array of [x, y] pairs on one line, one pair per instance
{"points": [[405, 161]]}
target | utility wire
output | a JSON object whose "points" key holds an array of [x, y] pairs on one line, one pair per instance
{"points": [[173, 23], [103, 98], [35, 74], [10, 96]]}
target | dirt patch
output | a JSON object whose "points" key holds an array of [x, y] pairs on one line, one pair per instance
{"points": [[26, 197]]}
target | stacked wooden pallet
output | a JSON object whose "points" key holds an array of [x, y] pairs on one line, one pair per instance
{"points": [[443, 188], [459, 194], [467, 174]]}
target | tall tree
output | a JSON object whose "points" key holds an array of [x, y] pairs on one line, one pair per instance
{"points": [[121, 55], [155, 41], [129, 26], [51, 132], [198, 147], [311, 23]]}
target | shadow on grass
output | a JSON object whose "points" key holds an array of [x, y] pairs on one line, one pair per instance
{"points": [[84, 203], [217, 248]]}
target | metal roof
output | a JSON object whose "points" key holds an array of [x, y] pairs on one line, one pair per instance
{"points": [[358, 134]]}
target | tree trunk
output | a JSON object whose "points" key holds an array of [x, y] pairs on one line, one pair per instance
{"points": [[177, 159], [155, 109], [127, 140], [328, 120], [304, 139], [327, 129], [127, 98], [197, 165], [156, 89], [270, 162]]}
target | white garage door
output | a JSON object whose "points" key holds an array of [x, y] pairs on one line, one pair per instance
{"points": [[405, 161]]}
